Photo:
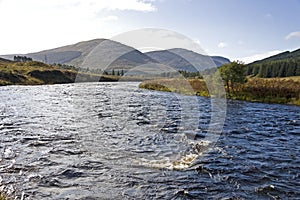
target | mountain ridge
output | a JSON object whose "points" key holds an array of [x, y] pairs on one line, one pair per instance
{"points": [[280, 56], [186, 60], [123, 56], [284, 64]]}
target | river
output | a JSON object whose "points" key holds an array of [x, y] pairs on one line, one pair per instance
{"points": [[115, 141]]}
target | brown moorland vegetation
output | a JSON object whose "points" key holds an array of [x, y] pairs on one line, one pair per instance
{"points": [[269, 90]]}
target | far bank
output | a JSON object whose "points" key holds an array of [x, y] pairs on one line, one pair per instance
{"points": [[265, 90]]}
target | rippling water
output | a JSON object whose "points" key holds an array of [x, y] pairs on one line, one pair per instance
{"points": [[115, 141]]}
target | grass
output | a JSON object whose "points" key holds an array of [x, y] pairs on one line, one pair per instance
{"points": [[38, 73], [178, 85], [271, 90], [21, 73], [3, 197]]}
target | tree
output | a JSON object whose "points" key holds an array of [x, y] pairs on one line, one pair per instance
{"points": [[291, 70], [22, 59], [233, 74], [255, 70], [282, 71]]}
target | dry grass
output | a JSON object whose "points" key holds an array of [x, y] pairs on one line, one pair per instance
{"points": [[292, 78], [179, 85], [38, 73], [19, 73], [269, 90]]}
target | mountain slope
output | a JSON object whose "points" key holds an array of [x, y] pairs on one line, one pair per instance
{"points": [[3, 60], [70, 54], [116, 56], [32, 73], [281, 56], [186, 60], [92, 52], [104, 53], [281, 65]]}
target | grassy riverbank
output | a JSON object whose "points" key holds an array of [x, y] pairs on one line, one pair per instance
{"points": [[33, 73], [267, 90], [38, 73]]}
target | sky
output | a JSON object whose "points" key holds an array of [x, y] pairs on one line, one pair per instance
{"points": [[237, 29]]}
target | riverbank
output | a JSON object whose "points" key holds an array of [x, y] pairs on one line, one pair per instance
{"points": [[265, 90], [33, 73], [38, 73]]}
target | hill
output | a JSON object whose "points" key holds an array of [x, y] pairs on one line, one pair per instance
{"points": [[281, 65], [38, 73], [185, 60], [281, 56], [2, 60], [33, 73], [93, 53], [115, 55], [100, 53], [70, 54]]}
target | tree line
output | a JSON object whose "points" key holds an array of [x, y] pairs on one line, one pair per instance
{"points": [[277, 68], [22, 59], [114, 72]]}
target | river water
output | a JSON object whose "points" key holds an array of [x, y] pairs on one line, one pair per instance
{"points": [[115, 141]]}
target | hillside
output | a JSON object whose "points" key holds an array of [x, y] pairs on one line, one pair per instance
{"points": [[92, 54], [281, 65], [115, 55], [38, 73], [100, 53], [2, 60], [70, 54], [281, 56], [185, 60], [33, 73]]}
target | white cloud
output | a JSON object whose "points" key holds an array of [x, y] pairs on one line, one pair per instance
{"points": [[222, 45], [259, 56], [292, 35], [146, 1], [85, 5], [36, 25], [122, 5], [109, 18]]}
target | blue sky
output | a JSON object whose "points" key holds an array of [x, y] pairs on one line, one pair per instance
{"points": [[237, 29]]}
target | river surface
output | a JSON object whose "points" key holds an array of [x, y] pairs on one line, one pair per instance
{"points": [[115, 141]]}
